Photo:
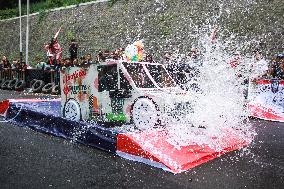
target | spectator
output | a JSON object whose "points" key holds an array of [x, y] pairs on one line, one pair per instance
{"points": [[194, 62], [277, 70], [100, 57], [23, 67], [40, 64], [173, 66], [88, 59], [64, 64], [121, 53], [76, 62], [15, 68], [5, 62], [57, 66], [235, 60], [193, 53], [259, 67], [15, 64], [68, 63], [242, 71], [5, 66], [167, 58], [82, 60], [116, 55], [73, 49], [149, 58]]}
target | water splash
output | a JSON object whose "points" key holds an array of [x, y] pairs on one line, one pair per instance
{"points": [[219, 102]]}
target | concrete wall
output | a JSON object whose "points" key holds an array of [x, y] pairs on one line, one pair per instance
{"points": [[162, 24]]}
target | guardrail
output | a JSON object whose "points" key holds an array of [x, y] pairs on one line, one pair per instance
{"points": [[47, 76]]}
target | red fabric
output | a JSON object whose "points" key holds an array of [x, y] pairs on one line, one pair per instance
{"points": [[263, 81], [4, 105], [267, 82], [55, 49], [153, 145], [264, 113]]}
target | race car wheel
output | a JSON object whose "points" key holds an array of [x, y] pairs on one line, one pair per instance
{"points": [[20, 85], [48, 88], [37, 86], [145, 114], [72, 110]]}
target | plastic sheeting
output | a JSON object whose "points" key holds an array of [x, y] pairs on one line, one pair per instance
{"points": [[266, 99], [150, 147], [44, 116], [160, 152]]}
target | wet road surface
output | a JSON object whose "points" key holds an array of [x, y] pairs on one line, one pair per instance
{"points": [[29, 159]]}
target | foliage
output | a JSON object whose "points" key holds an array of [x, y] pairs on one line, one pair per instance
{"points": [[38, 6], [42, 16], [70, 35]]}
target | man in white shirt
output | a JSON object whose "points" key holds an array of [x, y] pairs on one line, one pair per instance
{"points": [[259, 67]]}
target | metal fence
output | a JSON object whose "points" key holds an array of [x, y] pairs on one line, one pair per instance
{"points": [[48, 76], [9, 74]]}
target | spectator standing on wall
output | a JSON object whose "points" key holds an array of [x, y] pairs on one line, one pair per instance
{"points": [[53, 49], [73, 49]]}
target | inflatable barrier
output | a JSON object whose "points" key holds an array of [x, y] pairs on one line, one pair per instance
{"points": [[44, 116], [266, 99]]}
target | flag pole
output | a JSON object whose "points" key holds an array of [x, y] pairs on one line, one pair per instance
{"points": [[27, 33], [21, 45]]}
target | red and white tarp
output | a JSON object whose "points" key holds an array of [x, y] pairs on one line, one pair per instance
{"points": [[266, 99], [153, 148]]}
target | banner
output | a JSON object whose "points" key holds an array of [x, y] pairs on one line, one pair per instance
{"points": [[266, 99]]}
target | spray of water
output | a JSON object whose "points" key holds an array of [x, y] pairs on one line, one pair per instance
{"points": [[219, 103]]}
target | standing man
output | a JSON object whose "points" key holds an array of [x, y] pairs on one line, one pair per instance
{"points": [[54, 51], [259, 67], [73, 50]]}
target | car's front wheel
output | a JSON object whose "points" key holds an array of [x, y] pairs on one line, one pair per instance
{"points": [[145, 114], [72, 110]]}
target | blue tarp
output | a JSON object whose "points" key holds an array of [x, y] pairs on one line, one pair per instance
{"points": [[45, 117]]}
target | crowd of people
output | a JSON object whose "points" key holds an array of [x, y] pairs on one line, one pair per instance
{"points": [[176, 66], [16, 65]]}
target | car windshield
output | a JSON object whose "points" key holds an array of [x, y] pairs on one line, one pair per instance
{"points": [[160, 75], [138, 75]]}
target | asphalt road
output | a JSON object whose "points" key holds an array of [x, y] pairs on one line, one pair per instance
{"points": [[29, 159]]}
